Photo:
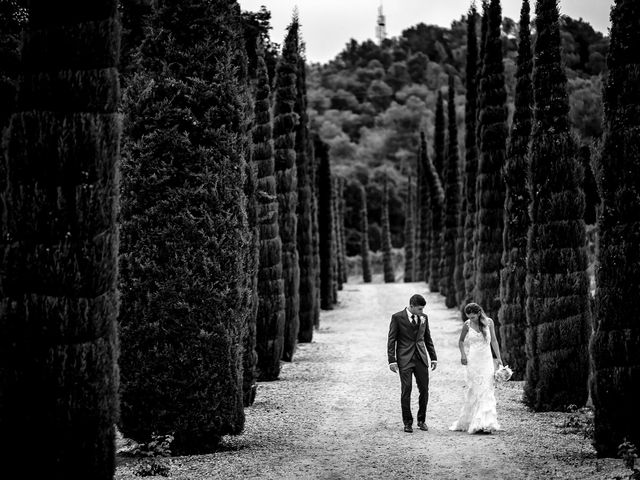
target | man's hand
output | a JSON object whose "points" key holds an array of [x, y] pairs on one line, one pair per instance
{"points": [[434, 364], [463, 360], [393, 367]]}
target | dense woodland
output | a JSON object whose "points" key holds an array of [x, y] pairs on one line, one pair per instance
{"points": [[178, 205], [368, 103]]}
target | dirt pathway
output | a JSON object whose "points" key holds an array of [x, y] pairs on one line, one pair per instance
{"points": [[335, 413]]}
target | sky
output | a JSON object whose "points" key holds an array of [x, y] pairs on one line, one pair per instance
{"points": [[327, 25]]}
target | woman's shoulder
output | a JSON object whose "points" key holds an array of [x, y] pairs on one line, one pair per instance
{"points": [[489, 321], [466, 323]]}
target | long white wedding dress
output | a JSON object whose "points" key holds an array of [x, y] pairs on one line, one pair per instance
{"points": [[478, 413]]}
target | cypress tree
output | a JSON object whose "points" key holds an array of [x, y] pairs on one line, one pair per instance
{"points": [[304, 211], [409, 235], [436, 204], [418, 274], [58, 268], [339, 225], [484, 28], [557, 308], [184, 230], [249, 353], [270, 318], [513, 320], [315, 232], [343, 237], [480, 101], [325, 224], [387, 261], [452, 204], [336, 252], [614, 344], [364, 232], [471, 158], [424, 216], [284, 134], [439, 162], [458, 272], [489, 183], [439, 137]]}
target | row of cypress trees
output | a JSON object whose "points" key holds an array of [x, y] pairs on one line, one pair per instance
{"points": [[255, 220], [524, 253], [491, 257], [174, 235]]}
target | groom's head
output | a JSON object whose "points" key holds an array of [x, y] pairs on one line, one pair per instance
{"points": [[417, 304]]}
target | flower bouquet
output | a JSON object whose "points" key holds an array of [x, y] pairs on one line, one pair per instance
{"points": [[503, 373]]}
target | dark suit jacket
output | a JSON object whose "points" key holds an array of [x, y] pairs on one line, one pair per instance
{"points": [[404, 339]]}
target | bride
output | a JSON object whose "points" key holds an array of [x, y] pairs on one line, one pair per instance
{"points": [[478, 413]]}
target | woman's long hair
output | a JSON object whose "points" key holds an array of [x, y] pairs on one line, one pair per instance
{"points": [[482, 317]]}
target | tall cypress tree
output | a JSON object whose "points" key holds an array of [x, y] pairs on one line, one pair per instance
{"points": [[339, 225], [423, 216], [364, 232], [513, 320], [480, 101], [343, 235], [304, 211], [184, 229], [418, 273], [315, 235], [489, 183], [439, 152], [557, 308], [325, 223], [284, 134], [58, 268], [270, 317], [452, 203], [315, 242], [336, 252], [409, 236], [614, 344], [252, 261], [439, 137], [484, 29], [471, 157], [387, 260], [436, 204]]}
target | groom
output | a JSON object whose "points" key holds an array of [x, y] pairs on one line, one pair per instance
{"points": [[409, 341]]}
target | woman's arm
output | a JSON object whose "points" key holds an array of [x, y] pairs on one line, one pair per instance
{"points": [[494, 341], [463, 334]]}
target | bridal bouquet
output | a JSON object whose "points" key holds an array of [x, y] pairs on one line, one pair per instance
{"points": [[503, 373]]}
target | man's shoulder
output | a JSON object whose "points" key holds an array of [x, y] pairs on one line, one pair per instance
{"points": [[398, 314]]}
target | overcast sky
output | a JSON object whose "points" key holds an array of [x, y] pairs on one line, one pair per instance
{"points": [[327, 25]]}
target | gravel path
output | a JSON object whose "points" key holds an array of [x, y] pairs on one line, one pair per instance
{"points": [[335, 413]]}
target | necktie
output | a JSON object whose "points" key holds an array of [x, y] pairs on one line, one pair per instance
{"points": [[413, 320]]}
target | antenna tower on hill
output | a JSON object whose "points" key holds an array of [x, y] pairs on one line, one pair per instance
{"points": [[381, 29]]}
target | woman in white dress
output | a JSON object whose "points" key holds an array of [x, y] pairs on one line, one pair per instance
{"points": [[478, 413]]}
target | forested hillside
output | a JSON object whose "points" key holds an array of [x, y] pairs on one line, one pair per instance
{"points": [[370, 103]]}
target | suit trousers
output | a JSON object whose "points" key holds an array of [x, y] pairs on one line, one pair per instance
{"points": [[417, 368]]}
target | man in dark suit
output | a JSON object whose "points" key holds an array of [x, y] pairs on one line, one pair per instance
{"points": [[409, 341]]}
